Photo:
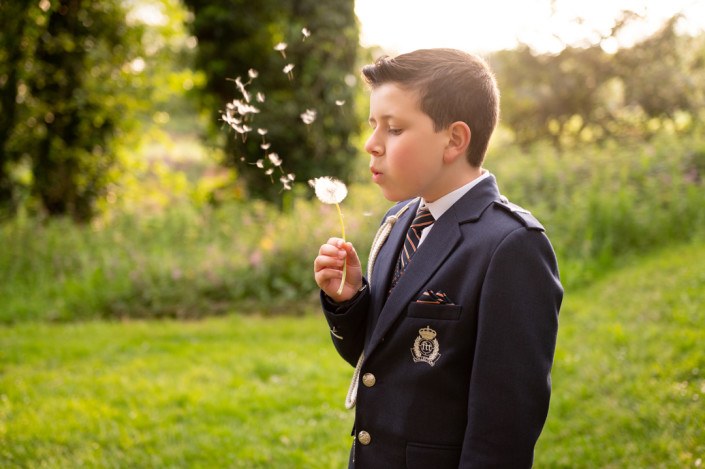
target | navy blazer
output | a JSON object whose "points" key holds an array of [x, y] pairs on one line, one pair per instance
{"points": [[462, 382]]}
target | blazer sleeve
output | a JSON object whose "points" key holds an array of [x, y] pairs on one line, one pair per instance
{"points": [[517, 323], [347, 323]]}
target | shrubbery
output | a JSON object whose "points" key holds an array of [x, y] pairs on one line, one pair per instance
{"points": [[600, 205]]}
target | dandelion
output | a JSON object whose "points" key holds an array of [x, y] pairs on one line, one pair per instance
{"points": [[287, 69], [339, 102], [306, 33], [281, 47], [332, 191], [308, 116]]}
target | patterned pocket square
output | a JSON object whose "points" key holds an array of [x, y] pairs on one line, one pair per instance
{"points": [[434, 298]]}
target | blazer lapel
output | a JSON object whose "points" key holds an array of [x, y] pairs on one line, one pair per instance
{"points": [[386, 260], [439, 244]]}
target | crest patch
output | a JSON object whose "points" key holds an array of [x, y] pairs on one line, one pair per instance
{"points": [[426, 348]]}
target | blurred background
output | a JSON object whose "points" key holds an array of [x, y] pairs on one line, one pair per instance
{"points": [[157, 305]]}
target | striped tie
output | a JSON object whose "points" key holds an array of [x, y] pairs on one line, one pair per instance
{"points": [[411, 243]]}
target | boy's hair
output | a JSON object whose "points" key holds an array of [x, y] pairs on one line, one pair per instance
{"points": [[452, 85]]}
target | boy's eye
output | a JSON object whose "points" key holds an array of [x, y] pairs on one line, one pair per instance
{"points": [[395, 131]]}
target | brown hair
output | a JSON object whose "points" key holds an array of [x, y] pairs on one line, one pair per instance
{"points": [[452, 85]]}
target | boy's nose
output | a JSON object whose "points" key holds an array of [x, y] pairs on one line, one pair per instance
{"points": [[373, 147]]}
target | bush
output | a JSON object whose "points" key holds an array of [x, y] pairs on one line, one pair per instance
{"points": [[600, 206]]}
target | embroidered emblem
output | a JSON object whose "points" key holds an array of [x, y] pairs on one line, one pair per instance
{"points": [[426, 348]]}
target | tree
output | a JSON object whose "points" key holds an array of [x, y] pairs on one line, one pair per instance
{"points": [[235, 36], [66, 61]]}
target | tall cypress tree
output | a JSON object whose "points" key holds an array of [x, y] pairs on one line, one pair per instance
{"points": [[235, 36]]}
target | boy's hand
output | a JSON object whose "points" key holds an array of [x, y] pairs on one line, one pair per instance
{"points": [[328, 269]]}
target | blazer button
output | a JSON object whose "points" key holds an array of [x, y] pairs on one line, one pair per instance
{"points": [[369, 380], [364, 438]]}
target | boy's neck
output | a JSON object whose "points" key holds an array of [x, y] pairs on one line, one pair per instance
{"points": [[455, 179]]}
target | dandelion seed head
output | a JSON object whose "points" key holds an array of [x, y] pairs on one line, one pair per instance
{"points": [[329, 190]]}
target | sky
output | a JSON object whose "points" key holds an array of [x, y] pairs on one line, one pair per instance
{"points": [[483, 26]]}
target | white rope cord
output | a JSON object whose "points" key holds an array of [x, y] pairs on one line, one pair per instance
{"points": [[380, 238]]}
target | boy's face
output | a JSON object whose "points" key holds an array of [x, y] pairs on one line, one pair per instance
{"points": [[406, 153]]}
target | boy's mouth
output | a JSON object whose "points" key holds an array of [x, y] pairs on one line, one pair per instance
{"points": [[376, 175]]}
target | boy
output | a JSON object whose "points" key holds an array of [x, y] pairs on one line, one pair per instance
{"points": [[454, 330]]}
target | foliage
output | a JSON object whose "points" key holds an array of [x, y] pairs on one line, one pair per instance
{"points": [[584, 94], [181, 257], [63, 94], [247, 391], [236, 36]]}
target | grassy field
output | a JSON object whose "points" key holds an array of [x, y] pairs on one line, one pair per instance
{"points": [[249, 391]]}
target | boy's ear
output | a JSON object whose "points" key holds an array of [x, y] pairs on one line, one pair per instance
{"points": [[459, 136]]}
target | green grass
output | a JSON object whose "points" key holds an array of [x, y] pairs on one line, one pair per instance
{"points": [[629, 384]]}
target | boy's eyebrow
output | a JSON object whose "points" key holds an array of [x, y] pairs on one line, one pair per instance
{"points": [[382, 117]]}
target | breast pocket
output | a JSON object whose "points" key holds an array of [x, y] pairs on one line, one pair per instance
{"points": [[431, 311]]}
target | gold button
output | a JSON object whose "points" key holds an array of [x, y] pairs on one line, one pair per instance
{"points": [[364, 438], [369, 380]]}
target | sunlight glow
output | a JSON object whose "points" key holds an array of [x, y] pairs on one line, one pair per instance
{"points": [[545, 25]]}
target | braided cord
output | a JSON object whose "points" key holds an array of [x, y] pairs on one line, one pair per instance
{"points": [[379, 239]]}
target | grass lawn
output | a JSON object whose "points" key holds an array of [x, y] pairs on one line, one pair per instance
{"points": [[247, 391]]}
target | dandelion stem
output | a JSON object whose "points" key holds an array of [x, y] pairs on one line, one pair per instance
{"points": [[345, 261]]}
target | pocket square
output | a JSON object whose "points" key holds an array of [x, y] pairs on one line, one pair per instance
{"points": [[434, 298]]}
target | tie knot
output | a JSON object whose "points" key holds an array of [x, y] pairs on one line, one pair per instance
{"points": [[423, 219]]}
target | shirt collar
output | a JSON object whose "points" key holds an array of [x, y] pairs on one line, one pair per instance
{"points": [[440, 206]]}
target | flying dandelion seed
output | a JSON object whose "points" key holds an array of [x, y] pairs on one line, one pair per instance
{"points": [[265, 146], [332, 191], [260, 97], [288, 71], [262, 132], [308, 116], [269, 173], [291, 177], [306, 33], [252, 73], [274, 158], [281, 48], [339, 102], [260, 164], [242, 89]]}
